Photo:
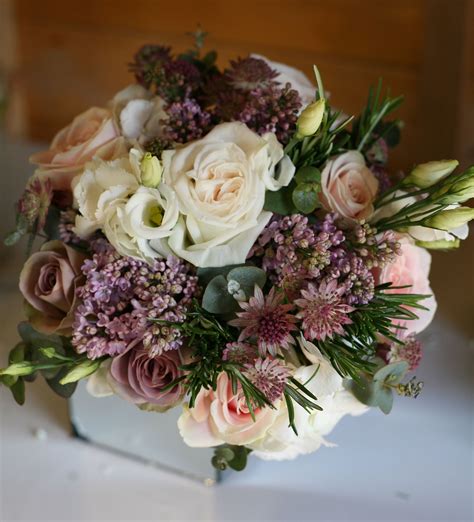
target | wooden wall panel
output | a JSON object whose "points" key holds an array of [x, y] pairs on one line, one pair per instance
{"points": [[74, 54]]}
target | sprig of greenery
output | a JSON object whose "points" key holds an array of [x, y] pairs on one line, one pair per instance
{"points": [[352, 354], [367, 127]]}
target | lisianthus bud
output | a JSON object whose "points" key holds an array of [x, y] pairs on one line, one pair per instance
{"points": [[427, 174], [450, 219], [150, 171], [440, 244], [458, 192], [310, 119]]}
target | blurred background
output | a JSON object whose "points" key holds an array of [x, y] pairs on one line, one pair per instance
{"points": [[57, 58]]}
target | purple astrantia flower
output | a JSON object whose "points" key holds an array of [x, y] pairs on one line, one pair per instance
{"points": [[35, 201], [148, 60], [269, 376], [268, 320], [240, 353], [323, 310], [410, 351], [123, 296]]}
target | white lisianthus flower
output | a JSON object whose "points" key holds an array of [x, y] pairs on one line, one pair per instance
{"points": [[138, 113], [109, 197], [220, 183], [102, 185], [297, 79], [279, 441], [149, 214]]}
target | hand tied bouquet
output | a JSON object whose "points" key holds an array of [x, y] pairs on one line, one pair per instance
{"points": [[226, 242]]}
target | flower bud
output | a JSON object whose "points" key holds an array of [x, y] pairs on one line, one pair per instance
{"points": [[150, 171], [458, 192], [427, 174], [450, 219], [440, 244], [310, 119]]}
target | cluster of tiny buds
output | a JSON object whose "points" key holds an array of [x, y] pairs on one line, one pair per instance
{"points": [[410, 389]]}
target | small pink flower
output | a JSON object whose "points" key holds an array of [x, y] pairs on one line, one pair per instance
{"points": [[323, 310], [269, 376], [267, 319], [410, 351]]}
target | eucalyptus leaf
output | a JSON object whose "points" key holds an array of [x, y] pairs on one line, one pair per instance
{"points": [[385, 399], [248, 277], [308, 174], [392, 373], [17, 354], [18, 391], [305, 198], [280, 202], [63, 390], [37, 339], [216, 298], [206, 275], [364, 391]]}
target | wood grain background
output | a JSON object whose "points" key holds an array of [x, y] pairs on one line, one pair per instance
{"points": [[73, 54]]}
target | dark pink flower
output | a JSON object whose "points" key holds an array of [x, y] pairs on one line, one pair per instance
{"points": [[268, 320], [269, 376], [323, 310]]}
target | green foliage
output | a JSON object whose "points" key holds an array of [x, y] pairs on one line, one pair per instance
{"points": [[378, 390], [229, 456], [52, 356], [223, 290], [352, 354], [281, 201], [370, 125]]}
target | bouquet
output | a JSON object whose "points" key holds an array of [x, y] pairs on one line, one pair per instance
{"points": [[227, 242]]}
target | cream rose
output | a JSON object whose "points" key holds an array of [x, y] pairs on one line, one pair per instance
{"points": [[348, 187], [220, 182], [280, 442], [138, 113], [223, 417]]}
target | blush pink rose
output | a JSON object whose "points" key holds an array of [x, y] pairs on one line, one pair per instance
{"points": [[348, 187], [141, 379], [48, 282], [223, 417], [412, 267], [92, 133]]}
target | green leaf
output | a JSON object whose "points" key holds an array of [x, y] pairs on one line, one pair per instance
{"points": [[17, 354], [37, 339], [364, 391], [392, 373], [385, 399], [81, 371], [206, 275], [239, 462], [308, 174], [18, 391], [216, 298], [51, 226], [248, 277], [63, 390], [12, 238], [280, 202], [305, 197]]}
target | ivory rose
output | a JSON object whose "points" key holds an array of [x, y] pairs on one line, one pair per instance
{"points": [[220, 183], [48, 283], [280, 442], [138, 113], [91, 134], [223, 417], [411, 268], [348, 187]]}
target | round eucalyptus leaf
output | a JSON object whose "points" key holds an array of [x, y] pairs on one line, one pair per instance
{"points": [[385, 399], [216, 298], [308, 175], [392, 373], [305, 198]]}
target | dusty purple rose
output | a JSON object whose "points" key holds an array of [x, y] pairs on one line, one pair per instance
{"points": [[48, 283], [140, 379]]}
